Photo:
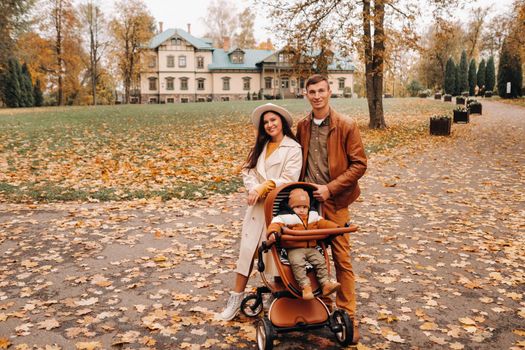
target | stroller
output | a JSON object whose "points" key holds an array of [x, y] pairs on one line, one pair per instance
{"points": [[289, 312]]}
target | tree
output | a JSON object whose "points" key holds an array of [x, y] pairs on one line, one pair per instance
{"points": [[474, 33], [457, 86], [472, 77], [221, 21], [443, 40], [348, 25], [480, 78], [94, 25], [12, 91], [414, 87], [132, 28], [26, 87], [38, 96], [509, 70], [13, 20], [244, 38], [490, 75], [450, 77], [463, 73]]}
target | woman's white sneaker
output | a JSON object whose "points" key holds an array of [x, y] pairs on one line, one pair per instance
{"points": [[232, 308]]}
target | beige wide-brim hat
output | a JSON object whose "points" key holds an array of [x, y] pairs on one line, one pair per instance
{"points": [[270, 107]]}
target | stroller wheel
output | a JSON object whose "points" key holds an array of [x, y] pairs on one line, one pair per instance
{"points": [[343, 327], [252, 305], [265, 334]]}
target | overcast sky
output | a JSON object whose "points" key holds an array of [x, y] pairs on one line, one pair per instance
{"points": [[177, 13]]}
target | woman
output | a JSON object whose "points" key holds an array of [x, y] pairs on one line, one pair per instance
{"points": [[274, 160]]}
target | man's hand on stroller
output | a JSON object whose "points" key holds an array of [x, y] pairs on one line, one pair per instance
{"points": [[322, 193]]}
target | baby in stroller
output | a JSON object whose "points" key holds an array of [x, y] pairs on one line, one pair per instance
{"points": [[301, 252], [291, 308]]}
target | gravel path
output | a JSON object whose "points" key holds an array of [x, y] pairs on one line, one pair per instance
{"points": [[439, 258]]}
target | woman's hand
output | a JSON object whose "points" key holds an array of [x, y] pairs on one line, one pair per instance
{"points": [[253, 196]]}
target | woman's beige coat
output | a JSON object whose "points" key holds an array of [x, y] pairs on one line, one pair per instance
{"points": [[283, 166]]}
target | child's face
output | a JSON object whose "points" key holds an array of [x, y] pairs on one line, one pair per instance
{"points": [[301, 210]]}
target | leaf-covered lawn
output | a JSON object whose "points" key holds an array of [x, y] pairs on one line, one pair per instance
{"points": [[167, 151]]}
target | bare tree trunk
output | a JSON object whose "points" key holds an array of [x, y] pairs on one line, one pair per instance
{"points": [[58, 49], [374, 59]]}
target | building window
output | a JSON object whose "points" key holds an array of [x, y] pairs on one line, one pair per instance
{"points": [[152, 100], [225, 98], [237, 57], [226, 83], [301, 83], [267, 83], [200, 62], [176, 42], [341, 83], [182, 61], [152, 62], [170, 100], [184, 100], [170, 62], [184, 83], [200, 84], [169, 83], [246, 83], [153, 83], [201, 99], [285, 83], [285, 58]]}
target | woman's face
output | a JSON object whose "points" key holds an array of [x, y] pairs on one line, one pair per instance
{"points": [[273, 125]]}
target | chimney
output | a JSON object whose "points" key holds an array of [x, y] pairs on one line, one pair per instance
{"points": [[161, 25], [189, 28], [226, 43]]}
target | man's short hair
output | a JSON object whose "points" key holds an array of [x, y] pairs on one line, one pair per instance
{"points": [[316, 78]]}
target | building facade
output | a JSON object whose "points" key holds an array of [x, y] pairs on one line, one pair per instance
{"points": [[178, 67]]}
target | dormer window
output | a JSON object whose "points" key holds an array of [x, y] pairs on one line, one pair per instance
{"points": [[237, 56], [285, 57], [176, 42]]}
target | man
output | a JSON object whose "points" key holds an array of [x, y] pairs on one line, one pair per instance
{"points": [[334, 159]]}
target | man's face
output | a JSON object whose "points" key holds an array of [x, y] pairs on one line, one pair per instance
{"points": [[318, 94]]}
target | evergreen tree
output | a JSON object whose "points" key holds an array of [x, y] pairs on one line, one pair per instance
{"points": [[457, 88], [463, 73], [38, 96], [450, 77], [12, 92], [509, 70], [490, 75], [26, 86], [480, 78], [472, 77]]}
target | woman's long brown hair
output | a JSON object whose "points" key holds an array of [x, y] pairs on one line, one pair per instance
{"points": [[263, 137]]}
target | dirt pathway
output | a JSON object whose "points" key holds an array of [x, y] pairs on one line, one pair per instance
{"points": [[439, 258]]}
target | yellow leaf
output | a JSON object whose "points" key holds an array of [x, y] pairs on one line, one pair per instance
{"points": [[4, 343], [428, 326], [467, 321], [88, 345]]}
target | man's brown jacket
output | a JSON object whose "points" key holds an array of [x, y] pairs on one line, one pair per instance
{"points": [[346, 156]]}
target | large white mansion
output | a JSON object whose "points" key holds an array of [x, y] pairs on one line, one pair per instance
{"points": [[178, 67]]}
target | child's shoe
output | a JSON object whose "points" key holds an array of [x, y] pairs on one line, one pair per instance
{"points": [[307, 293], [330, 287]]}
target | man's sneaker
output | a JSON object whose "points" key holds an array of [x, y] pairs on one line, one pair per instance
{"points": [[232, 308], [330, 287]]}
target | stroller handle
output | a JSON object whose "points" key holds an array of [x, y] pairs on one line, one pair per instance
{"points": [[320, 232]]}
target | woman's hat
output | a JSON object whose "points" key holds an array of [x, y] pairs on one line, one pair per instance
{"points": [[270, 107]]}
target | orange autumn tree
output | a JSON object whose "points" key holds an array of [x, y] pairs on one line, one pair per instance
{"points": [[132, 28]]}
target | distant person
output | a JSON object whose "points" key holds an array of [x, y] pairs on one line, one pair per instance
{"points": [[476, 91], [301, 252], [334, 159], [274, 160]]}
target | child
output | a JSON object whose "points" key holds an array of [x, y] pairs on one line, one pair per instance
{"points": [[299, 252]]}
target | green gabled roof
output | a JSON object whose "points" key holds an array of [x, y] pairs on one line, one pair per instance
{"points": [[158, 39], [221, 60]]}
